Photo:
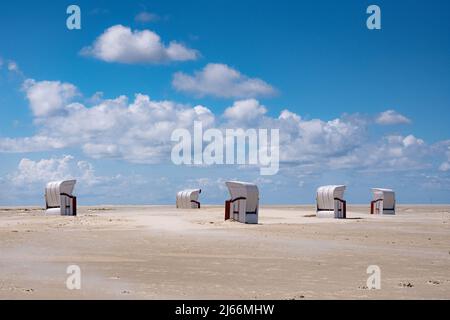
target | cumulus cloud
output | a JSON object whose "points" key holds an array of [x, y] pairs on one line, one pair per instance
{"points": [[25, 185], [342, 143], [317, 141], [31, 173], [44, 170], [220, 80], [139, 131], [411, 140], [245, 111], [48, 97], [391, 117], [53, 169], [121, 44], [392, 153]]}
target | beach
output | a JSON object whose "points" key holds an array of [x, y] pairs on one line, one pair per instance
{"points": [[159, 252]]}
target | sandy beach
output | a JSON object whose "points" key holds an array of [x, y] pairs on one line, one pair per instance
{"points": [[159, 252]]}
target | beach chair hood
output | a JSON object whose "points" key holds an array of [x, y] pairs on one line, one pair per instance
{"points": [[330, 201], [327, 194], [244, 200], [59, 197], [188, 199], [386, 197]]}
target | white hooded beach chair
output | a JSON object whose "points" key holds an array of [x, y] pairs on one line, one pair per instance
{"points": [[59, 198], [188, 199], [383, 201], [244, 202], [330, 202]]}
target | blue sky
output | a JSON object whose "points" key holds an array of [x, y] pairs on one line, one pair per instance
{"points": [[373, 105]]}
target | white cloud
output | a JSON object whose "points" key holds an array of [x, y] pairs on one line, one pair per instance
{"points": [[317, 141], [392, 153], [391, 117], [101, 150], [48, 97], [13, 66], [410, 141], [43, 171], [146, 17], [286, 115], [25, 184], [244, 111], [31, 144], [139, 131], [136, 131], [30, 172], [96, 98], [340, 143], [445, 166], [121, 44], [223, 81]]}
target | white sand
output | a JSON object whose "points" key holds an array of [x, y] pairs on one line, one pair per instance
{"points": [[160, 252]]}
